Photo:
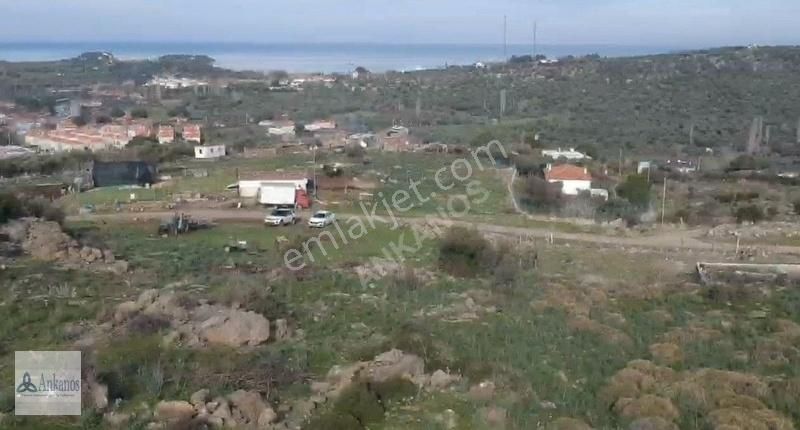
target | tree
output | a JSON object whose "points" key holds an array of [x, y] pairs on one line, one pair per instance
{"points": [[635, 190], [102, 119], [179, 111], [139, 113], [117, 112], [749, 213]]}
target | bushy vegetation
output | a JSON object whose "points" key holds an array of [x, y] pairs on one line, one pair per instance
{"points": [[465, 252], [12, 207], [636, 190], [749, 213]]}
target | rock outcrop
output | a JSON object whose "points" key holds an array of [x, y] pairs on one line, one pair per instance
{"points": [[198, 325], [46, 241]]}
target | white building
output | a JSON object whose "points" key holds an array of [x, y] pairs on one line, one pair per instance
{"points": [[570, 154], [573, 179], [206, 152], [251, 183]]}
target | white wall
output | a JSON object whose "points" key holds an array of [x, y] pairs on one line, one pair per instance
{"points": [[205, 152], [250, 188], [573, 188]]}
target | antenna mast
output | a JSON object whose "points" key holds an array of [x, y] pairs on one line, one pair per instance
{"points": [[535, 28], [505, 38]]}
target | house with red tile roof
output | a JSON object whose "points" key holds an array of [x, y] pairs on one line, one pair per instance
{"points": [[166, 134], [573, 179], [191, 133]]}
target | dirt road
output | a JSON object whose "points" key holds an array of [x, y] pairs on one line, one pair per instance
{"points": [[667, 240]]}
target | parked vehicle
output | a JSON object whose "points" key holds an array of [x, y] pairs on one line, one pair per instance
{"points": [[321, 219], [281, 217]]}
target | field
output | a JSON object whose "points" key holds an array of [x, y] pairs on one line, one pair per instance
{"points": [[558, 342]]}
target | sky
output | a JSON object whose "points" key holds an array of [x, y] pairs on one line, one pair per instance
{"points": [[683, 23]]}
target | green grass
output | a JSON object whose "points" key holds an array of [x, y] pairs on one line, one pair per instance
{"points": [[528, 353]]}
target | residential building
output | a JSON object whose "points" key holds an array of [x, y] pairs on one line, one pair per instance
{"points": [[398, 139], [8, 152], [643, 167], [321, 125], [282, 128], [206, 152], [192, 133], [71, 139], [573, 179], [166, 134], [571, 154]]}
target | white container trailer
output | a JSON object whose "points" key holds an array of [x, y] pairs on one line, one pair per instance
{"points": [[277, 195]]}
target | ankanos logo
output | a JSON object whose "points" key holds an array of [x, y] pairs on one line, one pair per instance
{"points": [[27, 386]]}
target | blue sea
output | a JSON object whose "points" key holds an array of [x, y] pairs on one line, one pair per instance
{"points": [[326, 57]]}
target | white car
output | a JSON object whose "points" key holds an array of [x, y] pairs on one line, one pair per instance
{"points": [[281, 217], [321, 219]]}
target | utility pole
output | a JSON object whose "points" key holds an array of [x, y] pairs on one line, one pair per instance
{"points": [[664, 201], [535, 28], [314, 166], [620, 162], [505, 38]]}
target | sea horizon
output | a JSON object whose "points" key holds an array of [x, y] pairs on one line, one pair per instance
{"points": [[310, 57]]}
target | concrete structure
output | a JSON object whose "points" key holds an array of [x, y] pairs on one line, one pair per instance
{"points": [[166, 134], [207, 152], [573, 179], [570, 154]]}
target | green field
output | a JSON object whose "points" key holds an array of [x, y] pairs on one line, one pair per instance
{"points": [[551, 342]]}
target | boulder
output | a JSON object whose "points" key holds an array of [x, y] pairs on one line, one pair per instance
{"points": [[440, 380], [235, 328], [116, 420], [99, 393], [395, 364], [174, 411], [482, 392], [219, 408], [266, 417], [147, 297], [199, 397], [248, 403], [125, 310]]}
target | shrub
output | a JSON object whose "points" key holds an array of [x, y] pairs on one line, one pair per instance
{"points": [[10, 207], [615, 209], [636, 190], [405, 279], [750, 213], [355, 151], [540, 194], [43, 208], [462, 251], [139, 113], [145, 324]]}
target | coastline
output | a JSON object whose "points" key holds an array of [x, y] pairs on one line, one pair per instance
{"points": [[315, 57]]}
